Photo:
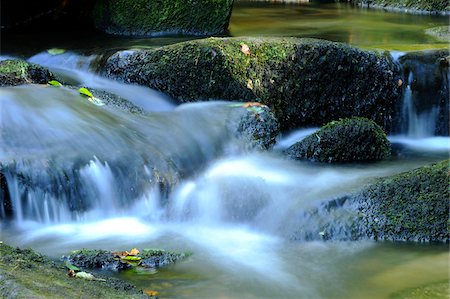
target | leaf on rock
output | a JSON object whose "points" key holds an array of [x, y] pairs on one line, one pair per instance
{"points": [[56, 51], [151, 293], [72, 267], [54, 83], [131, 258], [71, 273], [245, 49], [133, 251], [84, 91], [253, 104]]}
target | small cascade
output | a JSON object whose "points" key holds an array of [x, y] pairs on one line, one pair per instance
{"points": [[416, 123], [425, 109]]}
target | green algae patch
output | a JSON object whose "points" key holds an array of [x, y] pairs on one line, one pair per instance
{"points": [[142, 17], [411, 206], [347, 140], [16, 72], [438, 290], [303, 81], [27, 274]]}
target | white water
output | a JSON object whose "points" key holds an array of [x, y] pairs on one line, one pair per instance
{"points": [[236, 213]]}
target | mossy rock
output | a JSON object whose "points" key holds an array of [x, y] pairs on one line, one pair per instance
{"points": [[411, 206], [417, 5], [303, 81], [16, 72], [439, 290], [27, 274], [143, 17], [347, 140]]}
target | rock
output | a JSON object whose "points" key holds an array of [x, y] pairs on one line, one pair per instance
{"points": [[440, 7], [303, 81], [142, 17], [429, 72], [27, 274], [347, 140], [102, 259], [16, 72], [411, 206], [441, 33], [255, 126]]}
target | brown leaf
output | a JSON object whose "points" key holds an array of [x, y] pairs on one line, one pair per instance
{"points": [[245, 49], [250, 84], [151, 292], [133, 252], [71, 273], [399, 82], [253, 104]]}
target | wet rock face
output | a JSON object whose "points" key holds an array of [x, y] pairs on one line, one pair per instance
{"points": [[16, 72], [142, 17], [429, 73], [303, 81], [347, 140]]}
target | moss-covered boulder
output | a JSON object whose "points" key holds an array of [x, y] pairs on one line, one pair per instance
{"points": [[411, 206], [347, 140], [303, 81], [16, 72], [27, 274], [143, 17]]}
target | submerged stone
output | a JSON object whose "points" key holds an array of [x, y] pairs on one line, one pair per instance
{"points": [[142, 17], [16, 72], [347, 140], [303, 81]]}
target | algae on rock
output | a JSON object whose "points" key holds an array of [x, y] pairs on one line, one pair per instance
{"points": [[303, 81]]}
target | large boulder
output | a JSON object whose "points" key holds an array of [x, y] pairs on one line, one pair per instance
{"points": [[347, 140], [143, 17], [16, 72], [303, 81], [411, 206]]}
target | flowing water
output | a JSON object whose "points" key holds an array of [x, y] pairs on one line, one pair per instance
{"points": [[82, 176]]}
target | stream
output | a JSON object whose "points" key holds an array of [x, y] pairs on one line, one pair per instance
{"points": [[238, 211]]}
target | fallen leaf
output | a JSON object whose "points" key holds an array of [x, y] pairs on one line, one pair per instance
{"points": [[55, 51], [245, 49], [131, 258], [399, 82], [71, 273], [54, 83], [72, 267], [151, 292], [84, 91], [85, 275], [253, 104], [133, 251], [250, 84], [120, 254]]}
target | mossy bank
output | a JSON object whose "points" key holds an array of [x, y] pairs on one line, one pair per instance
{"points": [[27, 274], [441, 7], [303, 81], [142, 17]]}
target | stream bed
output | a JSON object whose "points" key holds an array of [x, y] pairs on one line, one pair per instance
{"points": [[240, 212]]}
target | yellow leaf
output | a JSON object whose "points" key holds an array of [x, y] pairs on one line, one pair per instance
{"points": [[133, 251], [245, 49], [85, 92], [250, 84], [151, 292], [253, 104]]}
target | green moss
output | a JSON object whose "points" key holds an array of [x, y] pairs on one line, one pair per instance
{"points": [[410, 206], [142, 17], [346, 140], [438, 290], [303, 81], [26, 274], [16, 72], [426, 5]]}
